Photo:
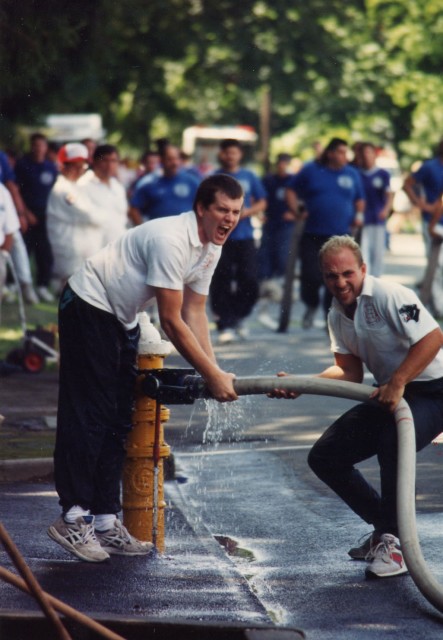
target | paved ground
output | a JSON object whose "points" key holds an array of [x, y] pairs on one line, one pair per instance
{"points": [[248, 486]]}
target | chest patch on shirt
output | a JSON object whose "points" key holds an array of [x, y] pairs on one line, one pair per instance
{"points": [[409, 312], [371, 314]]}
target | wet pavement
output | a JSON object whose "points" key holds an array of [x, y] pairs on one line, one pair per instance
{"points": [[254, 542]]}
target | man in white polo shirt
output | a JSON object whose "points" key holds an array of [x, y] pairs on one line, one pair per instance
{"points": [[172, 261], [384, 326]]}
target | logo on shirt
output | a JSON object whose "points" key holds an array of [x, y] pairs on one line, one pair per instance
{"points": [[181, 190], [371, 314], [345, 182], [377, 182], [46, 178], [280, 193], [409, 312]]}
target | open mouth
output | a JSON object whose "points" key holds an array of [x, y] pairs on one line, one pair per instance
{"points": [[223, 231]]}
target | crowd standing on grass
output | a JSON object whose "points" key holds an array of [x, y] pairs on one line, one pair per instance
{"points": [[70, 208]]}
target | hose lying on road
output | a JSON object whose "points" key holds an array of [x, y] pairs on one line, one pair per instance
{"points": [[415, 562]]}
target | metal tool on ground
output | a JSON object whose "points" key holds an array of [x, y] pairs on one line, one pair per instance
{"points": [[181, 383], [38, 345]]}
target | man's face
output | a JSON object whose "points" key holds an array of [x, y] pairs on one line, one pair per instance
{"points": [[343, 276], [216, 222], [230, 158], [39, 148], [171, 162], [368, 157], [338, 158], [106, 166]]}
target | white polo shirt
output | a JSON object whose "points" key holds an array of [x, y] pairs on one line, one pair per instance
{"points": [[165, 253], [389, 319]]}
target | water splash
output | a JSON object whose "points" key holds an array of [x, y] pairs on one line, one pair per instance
{"points": [[226, 421]]}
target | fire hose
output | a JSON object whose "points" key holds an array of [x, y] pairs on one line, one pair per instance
{"points": [[182, 386]]}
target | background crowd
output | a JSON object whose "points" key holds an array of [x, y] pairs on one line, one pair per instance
{"points": [[60, 205]]}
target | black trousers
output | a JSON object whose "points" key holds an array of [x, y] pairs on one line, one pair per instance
{"points": [[311, 279], [97, 381], [38, 245], [368, 430], [234, 287]]}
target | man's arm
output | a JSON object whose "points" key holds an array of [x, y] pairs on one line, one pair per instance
{"points": [[420, 355], [135, 215], [410, 188], [258, 206], [346, 367], [8, 242], [186, 336]]}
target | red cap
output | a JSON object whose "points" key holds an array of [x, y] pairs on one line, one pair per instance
{"points": [[73, 152]]}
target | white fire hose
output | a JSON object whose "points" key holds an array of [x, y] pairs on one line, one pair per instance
{"points": [[413, 556]]}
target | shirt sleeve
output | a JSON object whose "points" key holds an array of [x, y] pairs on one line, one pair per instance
{"points": [[407, 315], [12, 223]]}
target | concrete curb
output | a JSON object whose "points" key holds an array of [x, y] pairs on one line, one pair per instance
{"points": [[25, 469]]}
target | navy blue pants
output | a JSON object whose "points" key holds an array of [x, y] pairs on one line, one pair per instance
{"points": [[368, 430], [234, 286], [97, 381], [311, 277]]}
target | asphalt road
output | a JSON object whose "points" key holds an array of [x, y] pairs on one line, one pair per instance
{"points": [[248, 486], [249, 483]]}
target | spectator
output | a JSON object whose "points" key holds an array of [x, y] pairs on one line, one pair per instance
{"points": [[275, 243], [278, 224], [75, 224], [169, 259], [91, 146], [9, 224], [168, 194], [234, 288], [19, 253], [333, 196], [424, 188], [106, 192], [35, 178], [148, 169], [378, 204]]}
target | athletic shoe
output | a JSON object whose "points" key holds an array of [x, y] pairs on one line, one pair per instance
{"points": [[308, 318], [29, 294], [119, 541], [79, 538], [227, 336], [242, 332], [44, 294], [388, 559], [363, 551]]}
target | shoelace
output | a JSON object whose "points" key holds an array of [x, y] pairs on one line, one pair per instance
{"points": [[119, 535], [83, 533], [384, 548]]}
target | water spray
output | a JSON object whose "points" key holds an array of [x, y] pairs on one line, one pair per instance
{"points": [[183, 386]]}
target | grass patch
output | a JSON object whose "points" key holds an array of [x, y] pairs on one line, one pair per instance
{"points": [[11, 332], [19, 442]]}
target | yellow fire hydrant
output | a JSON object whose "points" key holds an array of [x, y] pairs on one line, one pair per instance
{"points": [[143, 495]]}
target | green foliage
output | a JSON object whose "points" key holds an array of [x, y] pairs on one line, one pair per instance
{"points": [[369, 67]]}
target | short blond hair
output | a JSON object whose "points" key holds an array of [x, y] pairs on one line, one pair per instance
{"points": [[337, 244]]}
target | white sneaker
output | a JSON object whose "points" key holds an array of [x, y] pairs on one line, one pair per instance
{"points": [[29, 294], [119, 541], [268, 322], [227, 336], [79, 538], [44, 294], [242, 332], [388, 560]]}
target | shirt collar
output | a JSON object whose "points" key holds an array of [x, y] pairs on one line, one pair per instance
{"points": [[193, 230]]}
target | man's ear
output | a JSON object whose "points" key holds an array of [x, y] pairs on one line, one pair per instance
{"points": [[199, 209]]}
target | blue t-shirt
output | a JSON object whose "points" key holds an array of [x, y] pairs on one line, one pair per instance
{"points": [[376, 183], [6, 171], [161, 196], [253, 190], [430, 177], [275, 187], [329, 196], [35, 180]]}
